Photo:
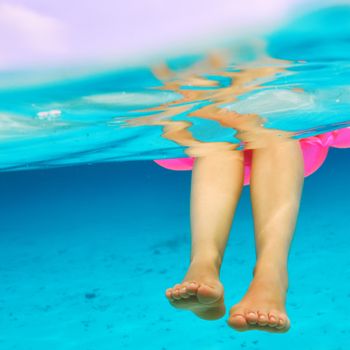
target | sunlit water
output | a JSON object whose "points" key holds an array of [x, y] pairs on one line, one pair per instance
{"points": [[294, 82], [87, 252]]}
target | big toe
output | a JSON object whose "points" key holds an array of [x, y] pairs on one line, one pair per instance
{"points": [[192, 287], [208, 294], [238, 322]]}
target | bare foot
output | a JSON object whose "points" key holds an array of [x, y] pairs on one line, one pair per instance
{"points": [[263, 306], [200, 292]]}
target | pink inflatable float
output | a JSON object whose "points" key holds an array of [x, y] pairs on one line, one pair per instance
{"points": [[315, 150]]}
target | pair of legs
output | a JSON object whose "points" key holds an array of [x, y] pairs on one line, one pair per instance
{"points": [[217, 180]]}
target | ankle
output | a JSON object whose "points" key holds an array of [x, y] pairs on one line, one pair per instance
{"points": [[207, 262], [272, 272]]}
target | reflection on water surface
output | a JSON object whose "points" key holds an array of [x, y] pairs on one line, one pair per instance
{"points": [[292, 83]]}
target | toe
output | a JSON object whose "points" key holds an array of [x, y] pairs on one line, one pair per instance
{"points": [[251, 317], [168, 293], [192, 287], [176, 294], [183, 292], [273, 319], [283, 323], [262, 318], [238, 322], [208, 294]]}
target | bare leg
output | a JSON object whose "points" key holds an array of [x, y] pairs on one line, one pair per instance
{"points": [[217, 181], [276, 184]]}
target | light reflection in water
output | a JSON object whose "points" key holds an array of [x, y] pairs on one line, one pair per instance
{"points": [[246, 95], [204, 96]]}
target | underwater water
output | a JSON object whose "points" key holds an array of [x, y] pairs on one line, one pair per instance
{"points": [[87, 250]]}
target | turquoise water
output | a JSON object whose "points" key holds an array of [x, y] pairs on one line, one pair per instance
{"points": [[78, 271], [87, 251], [293, 80]]}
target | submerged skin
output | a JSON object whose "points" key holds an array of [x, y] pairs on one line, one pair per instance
{"points": [[217, 180]]}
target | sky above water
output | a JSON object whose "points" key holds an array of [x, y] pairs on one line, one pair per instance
{"points": [[41, 31]]}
